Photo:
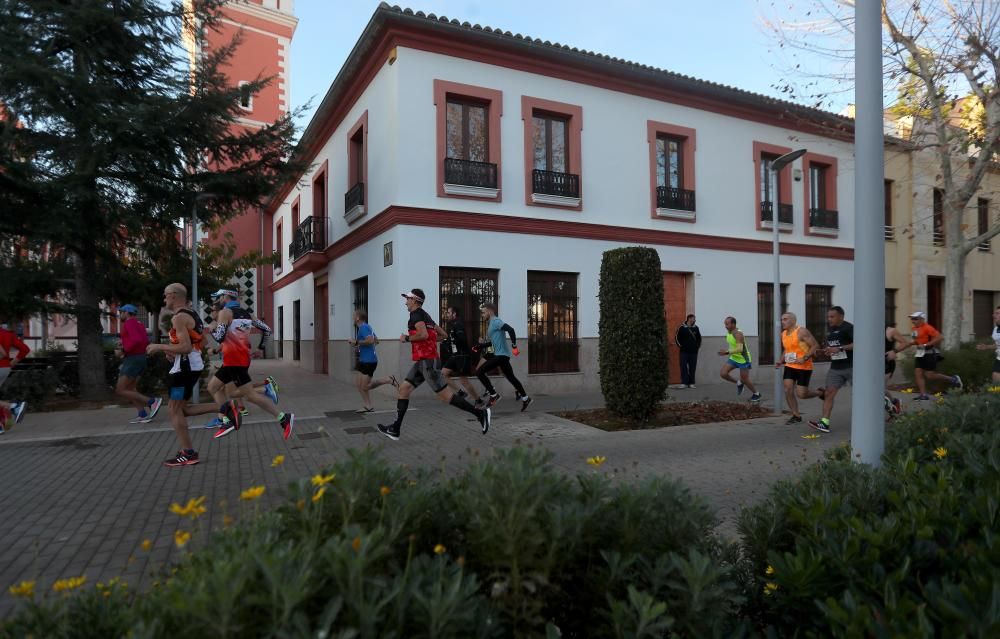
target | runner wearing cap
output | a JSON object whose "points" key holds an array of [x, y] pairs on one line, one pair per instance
{"points": [[421, 335], [925, 339], [232, 330], [12, 412], [133, 355], [995, 345]]}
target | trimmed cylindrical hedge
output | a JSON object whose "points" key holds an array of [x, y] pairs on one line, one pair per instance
{"points": [[633, 332]]}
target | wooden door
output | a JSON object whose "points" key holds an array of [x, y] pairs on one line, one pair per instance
{"points": [[322, 334], [675, 308], [935, 302]]}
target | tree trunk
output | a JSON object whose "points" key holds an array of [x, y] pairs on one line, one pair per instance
{"points": [[90, 349], [954, 285]]}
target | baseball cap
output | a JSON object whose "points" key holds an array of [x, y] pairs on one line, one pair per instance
{"points": [[415, 294], [918, 315], [128, 308], [225, 291]]}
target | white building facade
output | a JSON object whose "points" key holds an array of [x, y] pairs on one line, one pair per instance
{"points": [[481, 166]]}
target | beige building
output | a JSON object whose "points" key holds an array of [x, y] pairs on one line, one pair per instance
{"points": [[915, 245]]}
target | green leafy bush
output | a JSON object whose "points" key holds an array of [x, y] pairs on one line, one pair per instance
{"points": [[633, 332], [35, 385], [972, 365]]}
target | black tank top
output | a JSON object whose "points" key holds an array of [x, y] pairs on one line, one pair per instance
{"points": [[890, 345]]}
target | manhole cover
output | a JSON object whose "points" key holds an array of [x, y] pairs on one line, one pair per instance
{"points": [[315, 435], [359, 430]]}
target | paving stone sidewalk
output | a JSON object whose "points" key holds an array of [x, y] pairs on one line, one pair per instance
{"points": [[83, 490]]}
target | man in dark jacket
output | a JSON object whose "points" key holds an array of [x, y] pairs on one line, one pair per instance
{"points": [[689, 340]]}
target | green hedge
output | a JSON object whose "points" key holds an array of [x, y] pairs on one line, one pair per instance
{"points": [[633, 332], [974, 367]]}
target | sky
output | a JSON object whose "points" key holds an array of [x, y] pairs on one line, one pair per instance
{"points": [[718, 40]]}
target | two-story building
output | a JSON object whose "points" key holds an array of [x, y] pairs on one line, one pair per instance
{"points": [[483, 166]]}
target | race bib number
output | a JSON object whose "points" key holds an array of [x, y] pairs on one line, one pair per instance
{"points": [[791, 357], [839, 355], [921, 351]]}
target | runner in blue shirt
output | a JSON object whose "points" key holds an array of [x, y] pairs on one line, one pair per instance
{"points": [[500, 357], [364, 343]]}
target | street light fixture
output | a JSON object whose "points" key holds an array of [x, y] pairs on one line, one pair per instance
{"points": [[775, 168]]}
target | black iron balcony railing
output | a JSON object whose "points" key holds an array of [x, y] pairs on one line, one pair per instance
{"points": [[309, 237], [354, 197], [555, 183], [890, 233], [784, 213], [667, 197], [823, 219], [470, 173]]}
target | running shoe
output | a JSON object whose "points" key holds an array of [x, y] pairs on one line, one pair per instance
{"points": [[755, 398], [287, 423], [480, 403], [494, 398], [739, 388], [215, 423], [692, 386], [244, 411], [225, 427], [139, 419], [822, 426], [794, 419], [391, 431], [362, 411], [17, 408], [271, 393], [485, 418], [154, 408], [525, 402], [897, 406], [957, 382], [273, 383], [922, 398], [183, 458]]}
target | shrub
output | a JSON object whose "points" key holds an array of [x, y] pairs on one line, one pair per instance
{"points": [[633, 332], [35, 385], [972, 365]]}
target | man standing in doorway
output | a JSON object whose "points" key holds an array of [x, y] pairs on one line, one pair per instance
{"points": [[422, 339], [688, 340], [995, 345], [798, 345], [738, 357], [501, 357], [926, 339], [840, 348]]}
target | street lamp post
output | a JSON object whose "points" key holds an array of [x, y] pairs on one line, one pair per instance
{"points": [[194, 263], [776, 166]]}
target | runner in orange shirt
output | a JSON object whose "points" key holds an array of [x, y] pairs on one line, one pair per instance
{"points": [[798, 345], [926, 339]]}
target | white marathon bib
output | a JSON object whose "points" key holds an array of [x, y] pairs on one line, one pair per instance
{"points": [[790, 357], [921, 351]]}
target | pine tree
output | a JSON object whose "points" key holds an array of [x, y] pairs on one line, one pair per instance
{"points": [[109, 134]]}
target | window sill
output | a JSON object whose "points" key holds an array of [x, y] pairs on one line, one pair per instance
{"points": [[356, 212], [471, 191], [782, 227], [821, 230], [555, 200], [676, 214], [580, 373]]}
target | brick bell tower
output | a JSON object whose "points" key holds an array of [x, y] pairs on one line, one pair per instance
{"points": [[265, 28]]}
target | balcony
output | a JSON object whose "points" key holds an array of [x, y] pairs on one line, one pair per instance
{"points": [[471, 179], [890, 233], [823, 222], [785, 222], [354, 202], [552, 187], [674, 203], [308, 244]]}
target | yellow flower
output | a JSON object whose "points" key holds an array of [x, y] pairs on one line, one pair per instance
{"points": [[920, 440], [318, 494], [181, 537], [940, 452], [384, 490], [596, 460], [770, 587], [769, 571], [356, 544], [810, 436], [193, 509], [908, 391], [227, 521], [147, 545], [24, 589], [323, 480], [252, 493], [439, 548], [993, 389], [69, 584], [277, 461], [938, 394]]}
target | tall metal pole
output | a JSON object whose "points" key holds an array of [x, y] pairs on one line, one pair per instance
{"points": [[194, 275], [776, 296], [868, 419]]}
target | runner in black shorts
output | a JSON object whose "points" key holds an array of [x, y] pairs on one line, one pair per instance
{"points": [[895, 342], [364, 342], [422, 337], [456, 354]]}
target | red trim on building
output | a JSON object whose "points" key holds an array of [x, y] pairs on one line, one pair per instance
{"points": [[352, 176], [296, 209], [784, 188], [411, 216], [233, 13], [574, 136], [830, 168], [321, 207], [493, 100], [654, 129]]}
